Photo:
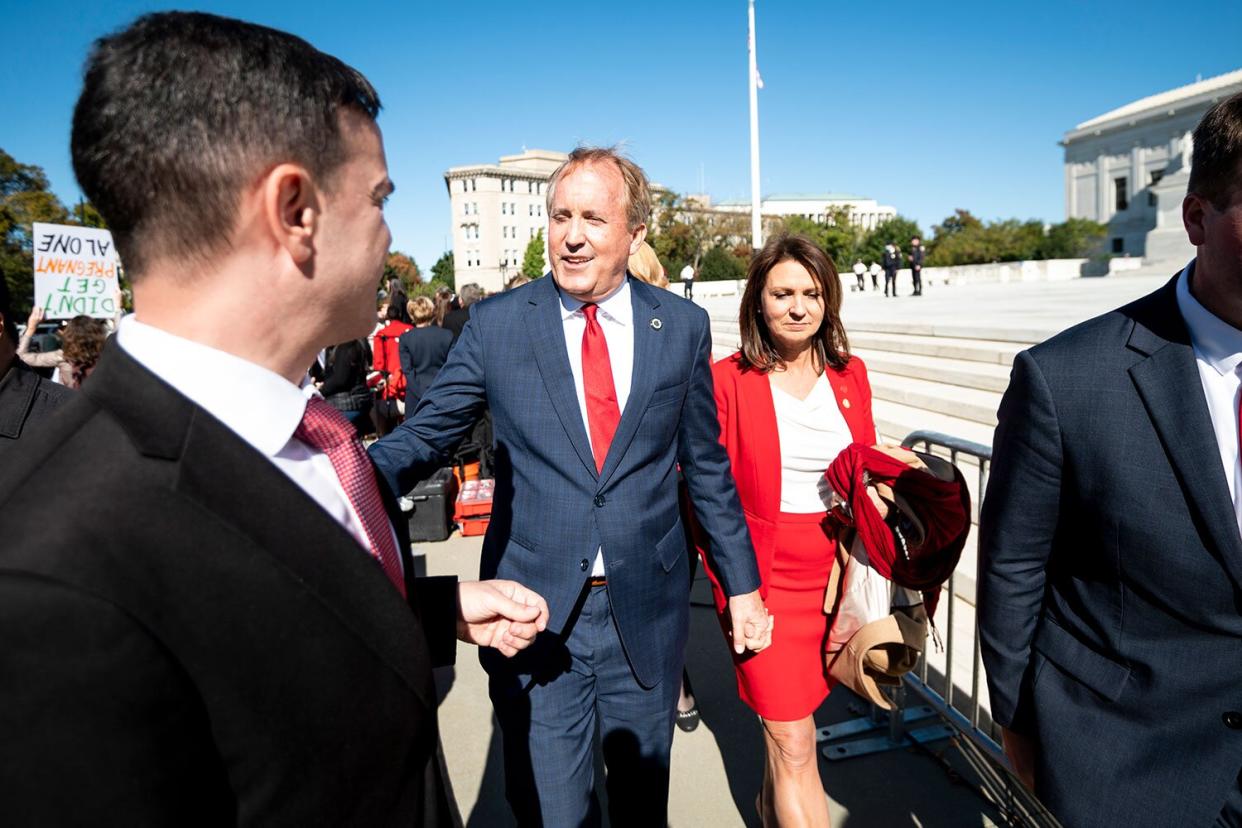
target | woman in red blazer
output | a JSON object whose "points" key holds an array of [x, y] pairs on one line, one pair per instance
{"points": [[788, 402]]}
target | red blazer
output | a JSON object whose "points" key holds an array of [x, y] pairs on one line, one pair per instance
{"points": [[387, 360], [748, 432]]}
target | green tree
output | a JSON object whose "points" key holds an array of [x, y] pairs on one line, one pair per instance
{"points": [[897, 230], [719, 264], [24, 200], [532, 261], [429, 289], [835, 235], [443, 270], [1074, 238]]}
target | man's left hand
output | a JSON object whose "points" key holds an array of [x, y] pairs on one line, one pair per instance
{"points": [[752, 625], [500, 614]]}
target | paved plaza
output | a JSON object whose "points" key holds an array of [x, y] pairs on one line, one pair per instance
{"points": [[1003, 310]]}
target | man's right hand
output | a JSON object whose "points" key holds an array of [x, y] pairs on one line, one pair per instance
{"points": [[1022, 752]]}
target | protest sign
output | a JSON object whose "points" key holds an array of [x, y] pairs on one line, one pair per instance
{"points": [[75, 271]]}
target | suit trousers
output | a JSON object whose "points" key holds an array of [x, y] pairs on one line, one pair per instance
{"points": [[550, 699]]}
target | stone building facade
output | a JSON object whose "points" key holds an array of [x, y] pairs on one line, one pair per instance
{"points": [[864, 212], [1129, 167], [496, 210]]}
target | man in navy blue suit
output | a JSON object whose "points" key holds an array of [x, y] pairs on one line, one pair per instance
{"points": [[1110, 551], [599, 387]]}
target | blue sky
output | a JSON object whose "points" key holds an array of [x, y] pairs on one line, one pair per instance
{"points": [[928, 107]]}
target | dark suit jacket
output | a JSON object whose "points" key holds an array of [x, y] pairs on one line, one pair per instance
{"points": [[1110, 583], [455, 320], [552, 509], [27, 401], [423, 352], [186, 638]]}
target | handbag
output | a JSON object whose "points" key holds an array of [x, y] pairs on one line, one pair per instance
{"points": [[879, 628]]}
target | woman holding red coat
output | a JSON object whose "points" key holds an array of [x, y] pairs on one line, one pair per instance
{"points": [[788, 403]]}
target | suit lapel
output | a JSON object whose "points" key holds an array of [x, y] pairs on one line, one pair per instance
{"points": [[243, 490], [548, 341], [647, 344], [1169, 385]]}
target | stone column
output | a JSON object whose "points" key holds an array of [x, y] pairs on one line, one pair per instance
{"points": [[1103, 189], [1071, 191], [1136, 171]]}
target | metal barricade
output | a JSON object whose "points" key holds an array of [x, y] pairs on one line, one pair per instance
{"points": [[978, 743]]}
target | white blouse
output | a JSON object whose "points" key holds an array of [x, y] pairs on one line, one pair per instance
{"points": [[812, 433]]}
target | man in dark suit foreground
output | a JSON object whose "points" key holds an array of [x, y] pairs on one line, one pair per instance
{"points": [[206, 616], [1110, 584], [599, 387]]}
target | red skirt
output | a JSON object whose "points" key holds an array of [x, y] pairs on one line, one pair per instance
{"points": [[788, 681]]}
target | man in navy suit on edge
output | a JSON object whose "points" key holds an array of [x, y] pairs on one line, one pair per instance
{"points": [[599, 387], [1110, 578]]}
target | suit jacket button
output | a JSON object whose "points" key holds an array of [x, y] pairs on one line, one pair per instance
{"points": [[583, 564], [1232, 720], [599, 500]]}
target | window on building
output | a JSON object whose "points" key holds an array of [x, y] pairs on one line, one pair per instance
{"points": [[1119, 245], [530, 186], [473, 185], [1121, 193]]}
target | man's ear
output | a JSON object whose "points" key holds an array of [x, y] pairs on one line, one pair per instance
{"points": [[637, 236], [1194, 210], [291, 210]]}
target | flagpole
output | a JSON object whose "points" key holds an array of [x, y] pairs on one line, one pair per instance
{"points": [[756, 223]]}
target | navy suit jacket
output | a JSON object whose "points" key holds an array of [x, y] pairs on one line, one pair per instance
{"points": [[552, 510], [423, 352], [1110, 584]]}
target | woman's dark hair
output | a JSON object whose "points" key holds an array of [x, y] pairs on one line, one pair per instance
{"points": [[444, 304], [181, 109], [832, 347]]}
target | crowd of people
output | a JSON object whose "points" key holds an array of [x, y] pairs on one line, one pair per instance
{"points": [[225, 627]]}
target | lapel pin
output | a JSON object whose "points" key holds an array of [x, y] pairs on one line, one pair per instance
{"points": [[656, 324]]}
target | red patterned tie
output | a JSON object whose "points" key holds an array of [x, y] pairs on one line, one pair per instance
{"points": [[603, 412], [325, 428]]}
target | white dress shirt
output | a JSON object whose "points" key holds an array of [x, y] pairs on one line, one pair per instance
{"points": [[1218, 354], [812, 432], [261, 407], [616, 319]]}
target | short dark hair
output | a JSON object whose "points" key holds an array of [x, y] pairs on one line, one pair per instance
{"points": [[832, 347], [181, 109], [1216, 165]]}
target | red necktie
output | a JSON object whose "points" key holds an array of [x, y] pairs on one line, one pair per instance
{"points": [[325, 428], [603, 412]]}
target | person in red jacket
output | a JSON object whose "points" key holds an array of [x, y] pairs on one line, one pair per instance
{"points": [[387, 360], [789, 401]]}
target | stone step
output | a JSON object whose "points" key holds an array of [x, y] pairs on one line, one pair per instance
{"points": [[1023, 336], [973, 350], [953, 372], [969, 404]]}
